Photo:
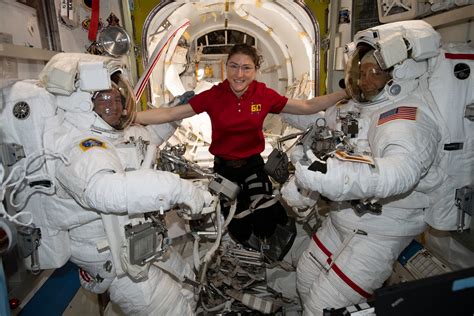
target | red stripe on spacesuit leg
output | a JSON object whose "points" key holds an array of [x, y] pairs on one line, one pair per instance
{"points": [[349, 282], [459, 56], [338, 271], [321, 246], [84, 275]]}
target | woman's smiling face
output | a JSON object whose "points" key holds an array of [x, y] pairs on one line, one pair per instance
{"points": [[241, 72]]}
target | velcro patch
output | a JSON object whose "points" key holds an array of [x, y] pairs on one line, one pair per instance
{"points": [[88, 143], [400, 113]]}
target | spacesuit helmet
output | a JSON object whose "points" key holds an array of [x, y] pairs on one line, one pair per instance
{"points": [[79, 82], [115, 106], [393, 54], [364, 78]]}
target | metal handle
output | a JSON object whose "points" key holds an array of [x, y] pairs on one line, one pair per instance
{"points": [[300, 136]]}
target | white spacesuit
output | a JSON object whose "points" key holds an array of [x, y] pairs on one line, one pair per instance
{"points": [[107, 173], [353, 252]]}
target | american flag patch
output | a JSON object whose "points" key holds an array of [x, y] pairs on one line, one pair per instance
{"points": [[400, 113]]}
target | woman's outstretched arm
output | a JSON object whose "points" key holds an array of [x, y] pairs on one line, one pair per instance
{"points": [[314, 105], [164, 115]]}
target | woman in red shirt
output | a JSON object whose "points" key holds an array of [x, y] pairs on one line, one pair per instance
{"points": [[237, 108]]}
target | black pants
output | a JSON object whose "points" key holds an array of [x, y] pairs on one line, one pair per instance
{"points": [[253, 181]]}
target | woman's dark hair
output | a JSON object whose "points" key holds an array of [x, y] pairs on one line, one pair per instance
{"points": [[246, 50]]}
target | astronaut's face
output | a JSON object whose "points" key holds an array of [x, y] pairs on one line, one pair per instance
{"points": [[372, 79], [240, 73], [108, 104], [364, 78]]}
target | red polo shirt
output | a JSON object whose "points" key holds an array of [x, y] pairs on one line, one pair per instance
{"points": [[237, 123]]}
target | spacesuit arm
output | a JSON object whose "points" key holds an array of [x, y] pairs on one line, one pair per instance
{"points": [[301, 122], [156, 134], [405, 155], [161, 132], [394, 174], [141, 191], [96, 179]]}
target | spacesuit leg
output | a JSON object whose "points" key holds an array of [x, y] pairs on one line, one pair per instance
{"points": [[159, 295], [96, 268], [308, 271], [364, 264], [181, 268]]}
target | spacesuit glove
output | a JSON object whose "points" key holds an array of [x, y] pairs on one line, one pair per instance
{"points": [[209, 199], [310, 157], [338, 180], [193, 199], [308, 179], [185, 97], [297, 154], [296, 197], [302, 155], [210, 204], [182, 99]]}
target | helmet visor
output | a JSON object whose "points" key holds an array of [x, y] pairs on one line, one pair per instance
{"points": [[116, 106], [364, 78]]}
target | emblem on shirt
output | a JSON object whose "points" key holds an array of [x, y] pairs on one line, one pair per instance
{"points": [[400, 113], [88, 143], [255, 108]]}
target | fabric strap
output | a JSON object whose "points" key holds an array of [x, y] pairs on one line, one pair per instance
{"points": [[253, 206]]}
